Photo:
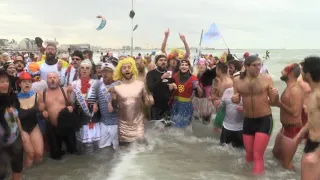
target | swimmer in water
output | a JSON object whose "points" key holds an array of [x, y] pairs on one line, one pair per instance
{"points": [[310, 162], [258, 93], [290, 116]]}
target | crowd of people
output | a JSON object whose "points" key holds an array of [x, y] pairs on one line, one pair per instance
{"points": [[50, 101]]}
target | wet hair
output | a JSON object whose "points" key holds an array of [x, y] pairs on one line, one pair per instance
{"points": [[250, 59], [296, 70], [222, 67], [311, 65], [247, 62], [236, 64], [90, 53]]}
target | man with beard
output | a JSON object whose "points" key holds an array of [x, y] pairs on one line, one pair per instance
{"points": [[258, 93], [157, 83], [20, 64], [141, 69], [234, 67], [72, 73], [130, 94], [290, 116], [54, 100], [51, 62]]}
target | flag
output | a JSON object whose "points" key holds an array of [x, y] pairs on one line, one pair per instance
{"points": [[212, 34]]}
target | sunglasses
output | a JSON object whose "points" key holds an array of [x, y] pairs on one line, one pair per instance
{"points": [[85, 68], [77, 59]]}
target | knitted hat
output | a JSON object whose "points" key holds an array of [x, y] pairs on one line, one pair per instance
{"points": [[86, 62], [78, 54]]}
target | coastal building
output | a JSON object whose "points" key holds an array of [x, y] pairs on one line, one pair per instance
{"points": [[7, 45], [74, 47], [28, 44]]}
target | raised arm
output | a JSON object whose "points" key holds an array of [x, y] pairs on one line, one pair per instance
{"points": [[164, 42], [186, 46]]}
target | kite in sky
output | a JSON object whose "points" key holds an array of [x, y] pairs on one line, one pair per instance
{"points": [[102, 24]]}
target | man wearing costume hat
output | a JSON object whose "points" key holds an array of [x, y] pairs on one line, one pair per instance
{"points": [[109, 115]]}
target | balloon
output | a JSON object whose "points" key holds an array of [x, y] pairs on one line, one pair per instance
{"points": [[102, 24], [135, 27]]}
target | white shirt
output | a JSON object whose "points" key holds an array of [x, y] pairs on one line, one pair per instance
{"points": [[45, 69], [39, 86]]}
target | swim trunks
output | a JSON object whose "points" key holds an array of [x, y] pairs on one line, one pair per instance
{"points": [[262, 124], [311, 146], [290, 131]]}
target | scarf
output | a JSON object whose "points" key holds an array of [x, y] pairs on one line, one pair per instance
{"points": [[85, 85], [22, 95]]}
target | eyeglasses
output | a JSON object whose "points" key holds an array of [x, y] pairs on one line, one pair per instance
{"points": [[256, 65], [77, 59], [85, 68]]}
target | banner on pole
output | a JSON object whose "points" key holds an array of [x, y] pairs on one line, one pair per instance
{"points": [[212, 34]]}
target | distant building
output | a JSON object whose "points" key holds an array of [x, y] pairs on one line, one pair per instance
{"points": [[6, 45], [126, 47], [28, 44], [137, 48], [80, 47]]}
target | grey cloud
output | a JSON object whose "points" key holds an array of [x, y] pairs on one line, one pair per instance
{"points": [[244, 24]]}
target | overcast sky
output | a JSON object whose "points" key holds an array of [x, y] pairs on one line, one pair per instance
{"points": [[243, 23]]}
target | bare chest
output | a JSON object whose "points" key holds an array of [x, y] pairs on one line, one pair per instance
{"points": [[54, 99], [247, 88]]}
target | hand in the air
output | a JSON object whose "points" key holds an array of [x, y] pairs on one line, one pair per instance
{"points": [[182, 37], [167, 33]]}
